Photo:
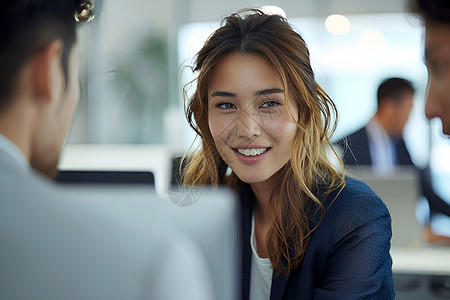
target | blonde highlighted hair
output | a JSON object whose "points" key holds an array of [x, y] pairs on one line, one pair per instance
{"points": [[308, 169]]}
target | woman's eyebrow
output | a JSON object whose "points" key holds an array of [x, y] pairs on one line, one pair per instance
{"points": [[258, 93], [269, 92], [223, 94]]}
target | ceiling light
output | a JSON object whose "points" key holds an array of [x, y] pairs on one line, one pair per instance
{"points": [[337, 24], [273, 10], [372, 39]]}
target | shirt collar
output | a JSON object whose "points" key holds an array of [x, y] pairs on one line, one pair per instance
{"points": [[381, 147], [376, 130], [10, 149]]}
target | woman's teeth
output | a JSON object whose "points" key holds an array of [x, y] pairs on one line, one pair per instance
{"points": [[252, 152]]}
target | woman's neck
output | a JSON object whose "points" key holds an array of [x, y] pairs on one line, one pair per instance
{"points": [[262, 218], [263, 192]]}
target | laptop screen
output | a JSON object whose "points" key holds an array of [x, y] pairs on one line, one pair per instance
{"points": [[105, 177]]}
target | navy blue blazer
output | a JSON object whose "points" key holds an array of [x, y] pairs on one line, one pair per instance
{"points": [[348, 255], [356, 149]]}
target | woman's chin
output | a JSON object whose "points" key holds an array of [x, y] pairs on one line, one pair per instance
{"points": [[247, 178]]}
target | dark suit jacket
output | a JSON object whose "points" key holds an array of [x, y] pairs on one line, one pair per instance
{"points": [[356, 149], [348, 255]]}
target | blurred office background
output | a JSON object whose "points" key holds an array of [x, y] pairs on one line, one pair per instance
{"points": [[135, 52], [135, 58]]}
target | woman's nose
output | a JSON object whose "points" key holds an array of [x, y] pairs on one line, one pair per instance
{"points": [[248, 124]]}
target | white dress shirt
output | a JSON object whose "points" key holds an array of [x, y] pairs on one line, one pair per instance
{"points": [[381, 147]]}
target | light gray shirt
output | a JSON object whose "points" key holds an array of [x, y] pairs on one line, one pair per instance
{"points": [[10, 149], [90, 243]]}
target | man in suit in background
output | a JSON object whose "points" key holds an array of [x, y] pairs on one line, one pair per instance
{"points": [[380, 143], [55, 242]]}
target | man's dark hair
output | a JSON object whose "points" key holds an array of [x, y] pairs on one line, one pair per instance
{"points": [[26, 26], [431, 10], [393, 88]]}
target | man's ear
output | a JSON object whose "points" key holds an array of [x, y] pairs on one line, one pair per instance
{"points": [[47, 72]]}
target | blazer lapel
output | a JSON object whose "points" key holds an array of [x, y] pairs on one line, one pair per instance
{"points": [[403, 157], [278, 286], [246, 211], [279, 283]]}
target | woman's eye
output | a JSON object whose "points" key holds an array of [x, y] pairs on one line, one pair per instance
{"points": [[226, 105], [270, 103]]}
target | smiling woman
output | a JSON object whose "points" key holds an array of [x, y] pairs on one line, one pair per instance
{"points": [[307, 231], [250, 124]]}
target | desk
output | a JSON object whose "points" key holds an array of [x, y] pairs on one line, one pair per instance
{"points": [[421, 260], [421, 272]]}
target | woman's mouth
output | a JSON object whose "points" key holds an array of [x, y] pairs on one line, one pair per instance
{"points": [[251, 151], [251, 155]]}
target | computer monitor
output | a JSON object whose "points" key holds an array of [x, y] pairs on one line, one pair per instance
{"points": [[208, 216], [399, 190], [105, 177]]}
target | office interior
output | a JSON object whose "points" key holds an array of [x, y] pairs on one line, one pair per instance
{"points": [[136, 58]]}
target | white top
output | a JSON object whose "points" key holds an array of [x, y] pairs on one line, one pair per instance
{"points": [[12, 150], [382, 150], [261, 273]]}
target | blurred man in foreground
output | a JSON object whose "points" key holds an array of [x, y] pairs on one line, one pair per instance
{"points": [[56, 243], [435, 15]]}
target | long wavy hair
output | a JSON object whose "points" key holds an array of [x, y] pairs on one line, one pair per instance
{"points": [[308, 170]]}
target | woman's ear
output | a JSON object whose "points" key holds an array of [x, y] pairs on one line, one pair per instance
{"points": [[47, 72]]}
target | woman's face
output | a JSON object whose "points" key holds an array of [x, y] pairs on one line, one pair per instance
{"points": [[437, 55], [248, 116]]}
